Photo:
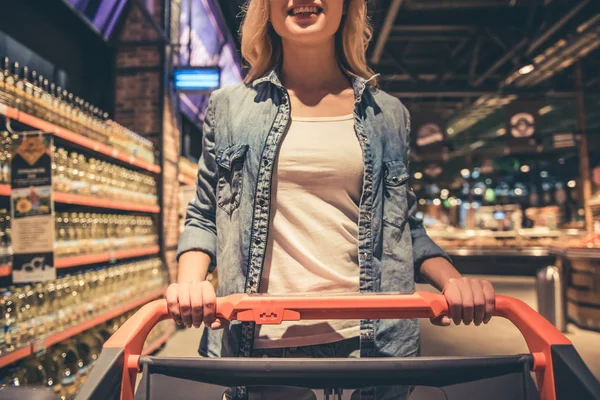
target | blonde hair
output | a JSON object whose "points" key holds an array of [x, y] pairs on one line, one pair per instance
{"points": [[261, 46]]}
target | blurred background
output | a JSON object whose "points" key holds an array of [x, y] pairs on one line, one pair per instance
{"points": [[505, 103]]}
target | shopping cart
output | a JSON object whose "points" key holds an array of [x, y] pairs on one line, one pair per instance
{"points": [[559, 371]]}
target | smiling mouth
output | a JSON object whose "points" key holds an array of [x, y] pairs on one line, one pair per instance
{"points": [[305, 10]]}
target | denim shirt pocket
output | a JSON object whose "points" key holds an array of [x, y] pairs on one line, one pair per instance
{"points": [[395, 177], [231, 176]]}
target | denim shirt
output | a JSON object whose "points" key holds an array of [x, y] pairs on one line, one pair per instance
{"points": [[229, 217]]}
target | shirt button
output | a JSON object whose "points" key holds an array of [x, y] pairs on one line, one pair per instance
{"points": [[262, 202], [365, 255], [257, 241]]}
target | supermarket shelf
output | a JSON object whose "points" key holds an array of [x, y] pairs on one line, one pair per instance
{"points": [[76, 261], [15, 356], [67, 198], [4, 190], [78, 139], [68, 262], [498, 252], [157, 343], [592, 253], [84, 326], [70, 332], [5, 270]]}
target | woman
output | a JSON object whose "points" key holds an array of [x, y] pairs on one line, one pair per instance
{"points": [[302, 187]]}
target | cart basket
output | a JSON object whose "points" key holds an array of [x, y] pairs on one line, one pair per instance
{"points": [[559, 370]]}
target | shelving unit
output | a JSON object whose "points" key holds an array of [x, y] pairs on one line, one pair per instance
{"points": [[75, 199], [103, 151], [75, 330], [4, 190], [68, 198], [77, 139], [5, 270], [78, 261], [75, 261]]}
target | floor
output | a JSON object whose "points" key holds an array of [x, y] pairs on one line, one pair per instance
{"points": [[498, 337]]}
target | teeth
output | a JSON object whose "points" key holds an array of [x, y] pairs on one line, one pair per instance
{"points": [[302, 10]]}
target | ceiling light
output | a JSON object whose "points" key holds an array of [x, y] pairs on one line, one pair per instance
{"points": [[450, 131], [418, 175], [525, 169], [526, 69], [518, 191], [572, 184], [545, 110]]}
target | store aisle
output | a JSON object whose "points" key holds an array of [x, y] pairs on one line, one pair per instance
{"points": [[498, 337]]}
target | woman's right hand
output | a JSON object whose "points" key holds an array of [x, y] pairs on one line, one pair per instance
{"points": [[193, 303]]}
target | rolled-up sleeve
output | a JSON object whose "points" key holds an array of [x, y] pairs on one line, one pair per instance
{"points": [[423, 247], [200, 231]]}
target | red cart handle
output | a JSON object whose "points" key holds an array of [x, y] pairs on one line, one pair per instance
{"points": [[539, 334]]}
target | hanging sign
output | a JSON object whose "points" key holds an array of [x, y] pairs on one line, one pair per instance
{"points": [[522, 124], [430, 134], [32, 209]]}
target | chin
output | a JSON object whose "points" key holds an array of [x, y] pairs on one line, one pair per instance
{"points": [[310, 32]]}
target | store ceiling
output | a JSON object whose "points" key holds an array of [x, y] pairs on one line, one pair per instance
{"points": [[459, 60]]}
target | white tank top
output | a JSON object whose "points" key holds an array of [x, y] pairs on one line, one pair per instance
{"points": [[313, 234]]}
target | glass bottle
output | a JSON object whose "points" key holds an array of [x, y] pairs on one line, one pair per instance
{"points": [[53, 371], [65, 355], [4, 74], [10, 308], [34, 371]]}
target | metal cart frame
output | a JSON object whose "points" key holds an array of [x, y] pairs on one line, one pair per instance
{"points": [[560, 372]]}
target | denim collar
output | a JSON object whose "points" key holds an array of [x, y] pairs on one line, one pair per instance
{"points": [[359, 84]]}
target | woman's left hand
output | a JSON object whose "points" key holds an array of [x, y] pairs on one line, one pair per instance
{"points": [[469, 300]]}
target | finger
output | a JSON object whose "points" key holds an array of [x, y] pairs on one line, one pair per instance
{"points": [[173, 303], [219, 324], [209, 300], [196, 303], [454, 299], [185, 305], [467, 300], [490, 300], [478, 302], [442, 320]]}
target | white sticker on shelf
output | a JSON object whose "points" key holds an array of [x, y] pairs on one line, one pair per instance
{"points": [[115, 152], [39, 346], [3, 109]]}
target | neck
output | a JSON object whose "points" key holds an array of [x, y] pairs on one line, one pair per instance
{"points": [[312, 67]]}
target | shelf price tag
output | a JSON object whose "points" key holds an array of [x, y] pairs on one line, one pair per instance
{"points": [[39, 347]]}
